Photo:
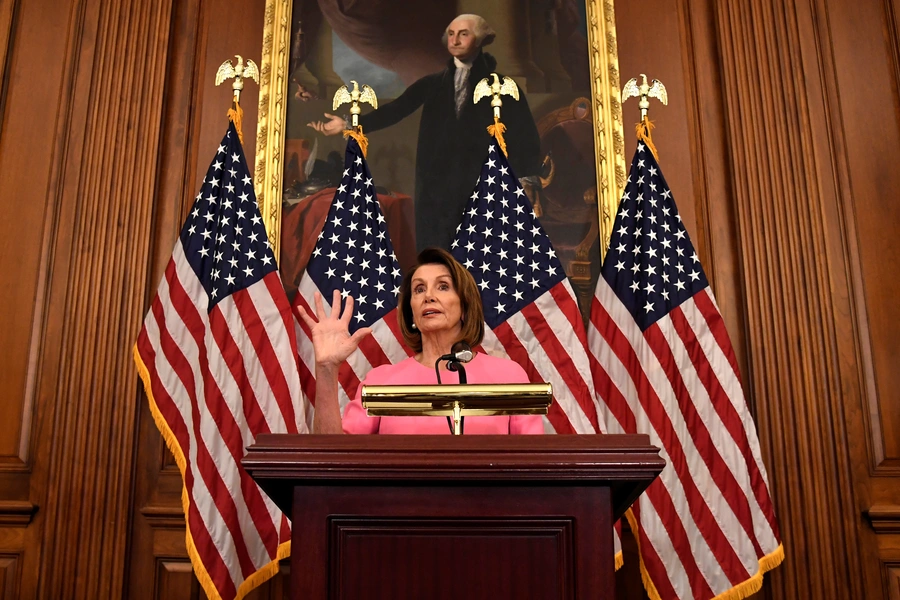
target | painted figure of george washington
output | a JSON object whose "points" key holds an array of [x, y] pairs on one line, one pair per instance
{"points": [[453, 139]]}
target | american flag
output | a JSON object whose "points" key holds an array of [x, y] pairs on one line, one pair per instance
{"points": [[353, 255], [217, 354], [530, 309], [664, 366]]}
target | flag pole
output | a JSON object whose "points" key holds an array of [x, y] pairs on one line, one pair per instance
{"points": [[238, 73]]}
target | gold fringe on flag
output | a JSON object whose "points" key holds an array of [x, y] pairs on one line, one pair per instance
{"points": [[643, 130], [738, 592], [236, 116], [497, 130], [254, 580], [361, 139]]}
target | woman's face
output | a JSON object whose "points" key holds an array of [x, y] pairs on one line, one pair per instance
{"points": [[436, 306]]}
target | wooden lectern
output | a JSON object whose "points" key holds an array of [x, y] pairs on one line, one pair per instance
{"points": [[446, 517]]}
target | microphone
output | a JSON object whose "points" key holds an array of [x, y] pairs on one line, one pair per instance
{"points": [[460, 353]]}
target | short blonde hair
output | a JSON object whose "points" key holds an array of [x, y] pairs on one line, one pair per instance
{"points": [[484, 33]]}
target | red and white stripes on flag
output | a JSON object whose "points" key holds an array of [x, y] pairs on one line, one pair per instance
{"points": [[547, 339], [217, 357], [664, 366]]}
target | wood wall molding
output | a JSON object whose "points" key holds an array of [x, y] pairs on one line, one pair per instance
{"points": [[16, 513], [884, 518], [164, 516], [892, 580], [107, 185], [782, 194]]}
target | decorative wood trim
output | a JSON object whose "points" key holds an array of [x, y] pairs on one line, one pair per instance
{"points": [[781, 198], [164, 517], [16, 513], [884, 518], [7, 37], [175, 580], [106, 189], [13, 464]]}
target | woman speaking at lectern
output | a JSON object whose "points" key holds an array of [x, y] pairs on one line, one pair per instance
{"points": [[439, 306]]}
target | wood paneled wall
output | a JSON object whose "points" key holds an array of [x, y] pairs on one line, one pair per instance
{"points": [[107, 110], [780, 144]]}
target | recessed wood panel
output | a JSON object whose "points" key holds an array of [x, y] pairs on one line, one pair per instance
{"points": [[30, 97], [9, 576], [513, 558], [175, 581], [866, 66], [892, 581]]}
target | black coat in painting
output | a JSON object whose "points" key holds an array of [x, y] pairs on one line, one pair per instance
{"points": [[452, 150]]}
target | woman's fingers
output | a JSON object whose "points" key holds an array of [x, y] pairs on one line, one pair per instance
{"points": [[320, 308], [348, 311], [360, 335], [336, 305], [336, 313], [306, 317]]}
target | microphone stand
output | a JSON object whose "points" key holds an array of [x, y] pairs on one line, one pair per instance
{"points": [[454, 365]]}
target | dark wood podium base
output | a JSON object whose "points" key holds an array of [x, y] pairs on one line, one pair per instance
{"points": [[472, 517], [424, 542]]}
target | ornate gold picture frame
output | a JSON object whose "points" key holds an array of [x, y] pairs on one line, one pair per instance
{"points": [[593, 105]]}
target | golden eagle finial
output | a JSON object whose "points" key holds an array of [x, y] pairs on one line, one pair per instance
{"points": [[238, 72], [484, 89], [343, 95], [645, 91], [495, 90]]}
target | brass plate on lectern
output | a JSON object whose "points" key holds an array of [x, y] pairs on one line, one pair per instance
{"points": [[482, 400]]}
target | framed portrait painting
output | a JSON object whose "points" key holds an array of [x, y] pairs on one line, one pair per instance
{"points": [[564, 133]]}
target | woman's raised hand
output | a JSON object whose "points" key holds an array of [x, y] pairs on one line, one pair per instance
{"points": [[331, 333]]}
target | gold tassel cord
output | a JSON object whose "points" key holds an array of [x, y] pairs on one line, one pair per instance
{"points": [[361, 139], [496, 130], [643, 130], [236, 116]]}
